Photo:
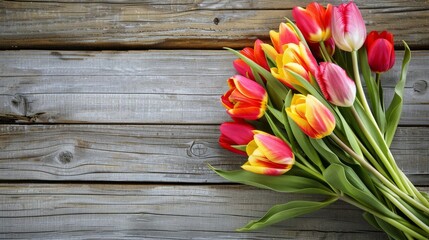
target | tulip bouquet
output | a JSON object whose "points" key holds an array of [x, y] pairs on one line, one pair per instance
{"points": [[300, 115]]}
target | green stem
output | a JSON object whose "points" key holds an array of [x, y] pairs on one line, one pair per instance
{"points": [[403, 209], [378, 175], [361, 94], [379, 152], [395, 223], [325, 53], [369, 156]]}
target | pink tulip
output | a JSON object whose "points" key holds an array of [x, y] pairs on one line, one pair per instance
{"points": [[336, 86], [381, 51], [268, 155], [311, 116], [347, 26], [245, 99], [314, 21], [235, 133]]}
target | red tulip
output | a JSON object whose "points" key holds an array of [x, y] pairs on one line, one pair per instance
{"points": [[336, 85], [255, 54], [245, 99], [381, 51], [314, 21], [235, 133], [347, 26]]}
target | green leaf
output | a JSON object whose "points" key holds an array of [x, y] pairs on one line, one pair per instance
{"points": [[305, 144], [283, 183], [393, 113], [349, 134], [324, 150], [286, 123], [371, 220], [240, 147], [276, 129], [287, 211], [390, 230], [277, 114], [346, 180]]}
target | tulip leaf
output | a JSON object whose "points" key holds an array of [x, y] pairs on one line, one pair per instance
{"points": [[324, 150], [240, 147], [349, 134], [286, 211], [258, 78], [390, 230], [276, 129], [305, 144], [393, 113], [284, 183], [371, 220], [286, 123], [346, 180]]}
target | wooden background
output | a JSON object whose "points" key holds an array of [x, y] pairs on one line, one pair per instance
{"points": [[110, 111]]}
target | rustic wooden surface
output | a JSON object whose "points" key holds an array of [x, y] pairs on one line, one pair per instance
{"points": [[114, 144]]}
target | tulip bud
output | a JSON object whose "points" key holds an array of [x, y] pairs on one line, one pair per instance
{"points": [[245, 99], [347, 26], [336, 86], [235, 133], [268, 155], [381, 51], [311, 116], [314, 21]]}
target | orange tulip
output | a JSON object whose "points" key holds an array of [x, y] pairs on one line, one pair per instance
{"points": [[314, 21], [245, 99]]}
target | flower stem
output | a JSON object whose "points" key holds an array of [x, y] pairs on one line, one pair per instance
{"points": [[384, 180], [388, 164], [325, 53], [361, 94], [399, 225]]}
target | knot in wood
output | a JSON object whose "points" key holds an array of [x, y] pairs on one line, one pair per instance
{"points": [[420, 86], [216, 21], [197, 149], [65, 157]]}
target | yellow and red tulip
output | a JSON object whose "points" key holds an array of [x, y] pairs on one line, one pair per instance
{"points": [[311, 116], [245, 99], [268, 155], [314, 21], [255, 54], [235, 133], [336, 85], [347, 26], [297, 58], [285, 35], [381, 51]]}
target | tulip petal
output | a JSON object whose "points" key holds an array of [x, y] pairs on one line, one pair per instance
{"points": [[274, 149], [264, 170]]}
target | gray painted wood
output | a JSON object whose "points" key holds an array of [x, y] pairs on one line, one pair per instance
{"points": [[146, 86], [179, 24], [100, 211], [148, 153]]}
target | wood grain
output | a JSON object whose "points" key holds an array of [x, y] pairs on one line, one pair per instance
{"points": [[148, 153], [126, 211], [146, 86], [180, 24]]}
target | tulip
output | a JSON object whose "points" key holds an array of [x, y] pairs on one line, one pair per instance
{"points": [[347, 26], [245, 99], [314, 21], [311, 116], [381, 51], [336, 86], [298, 59], [235, 133], [255, 54], [285, 35], [268, 155]]}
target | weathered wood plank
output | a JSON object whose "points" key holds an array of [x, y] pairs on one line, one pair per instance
{"points": [[164, 212], [148, 153], [146, 86], [180, 24]]}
